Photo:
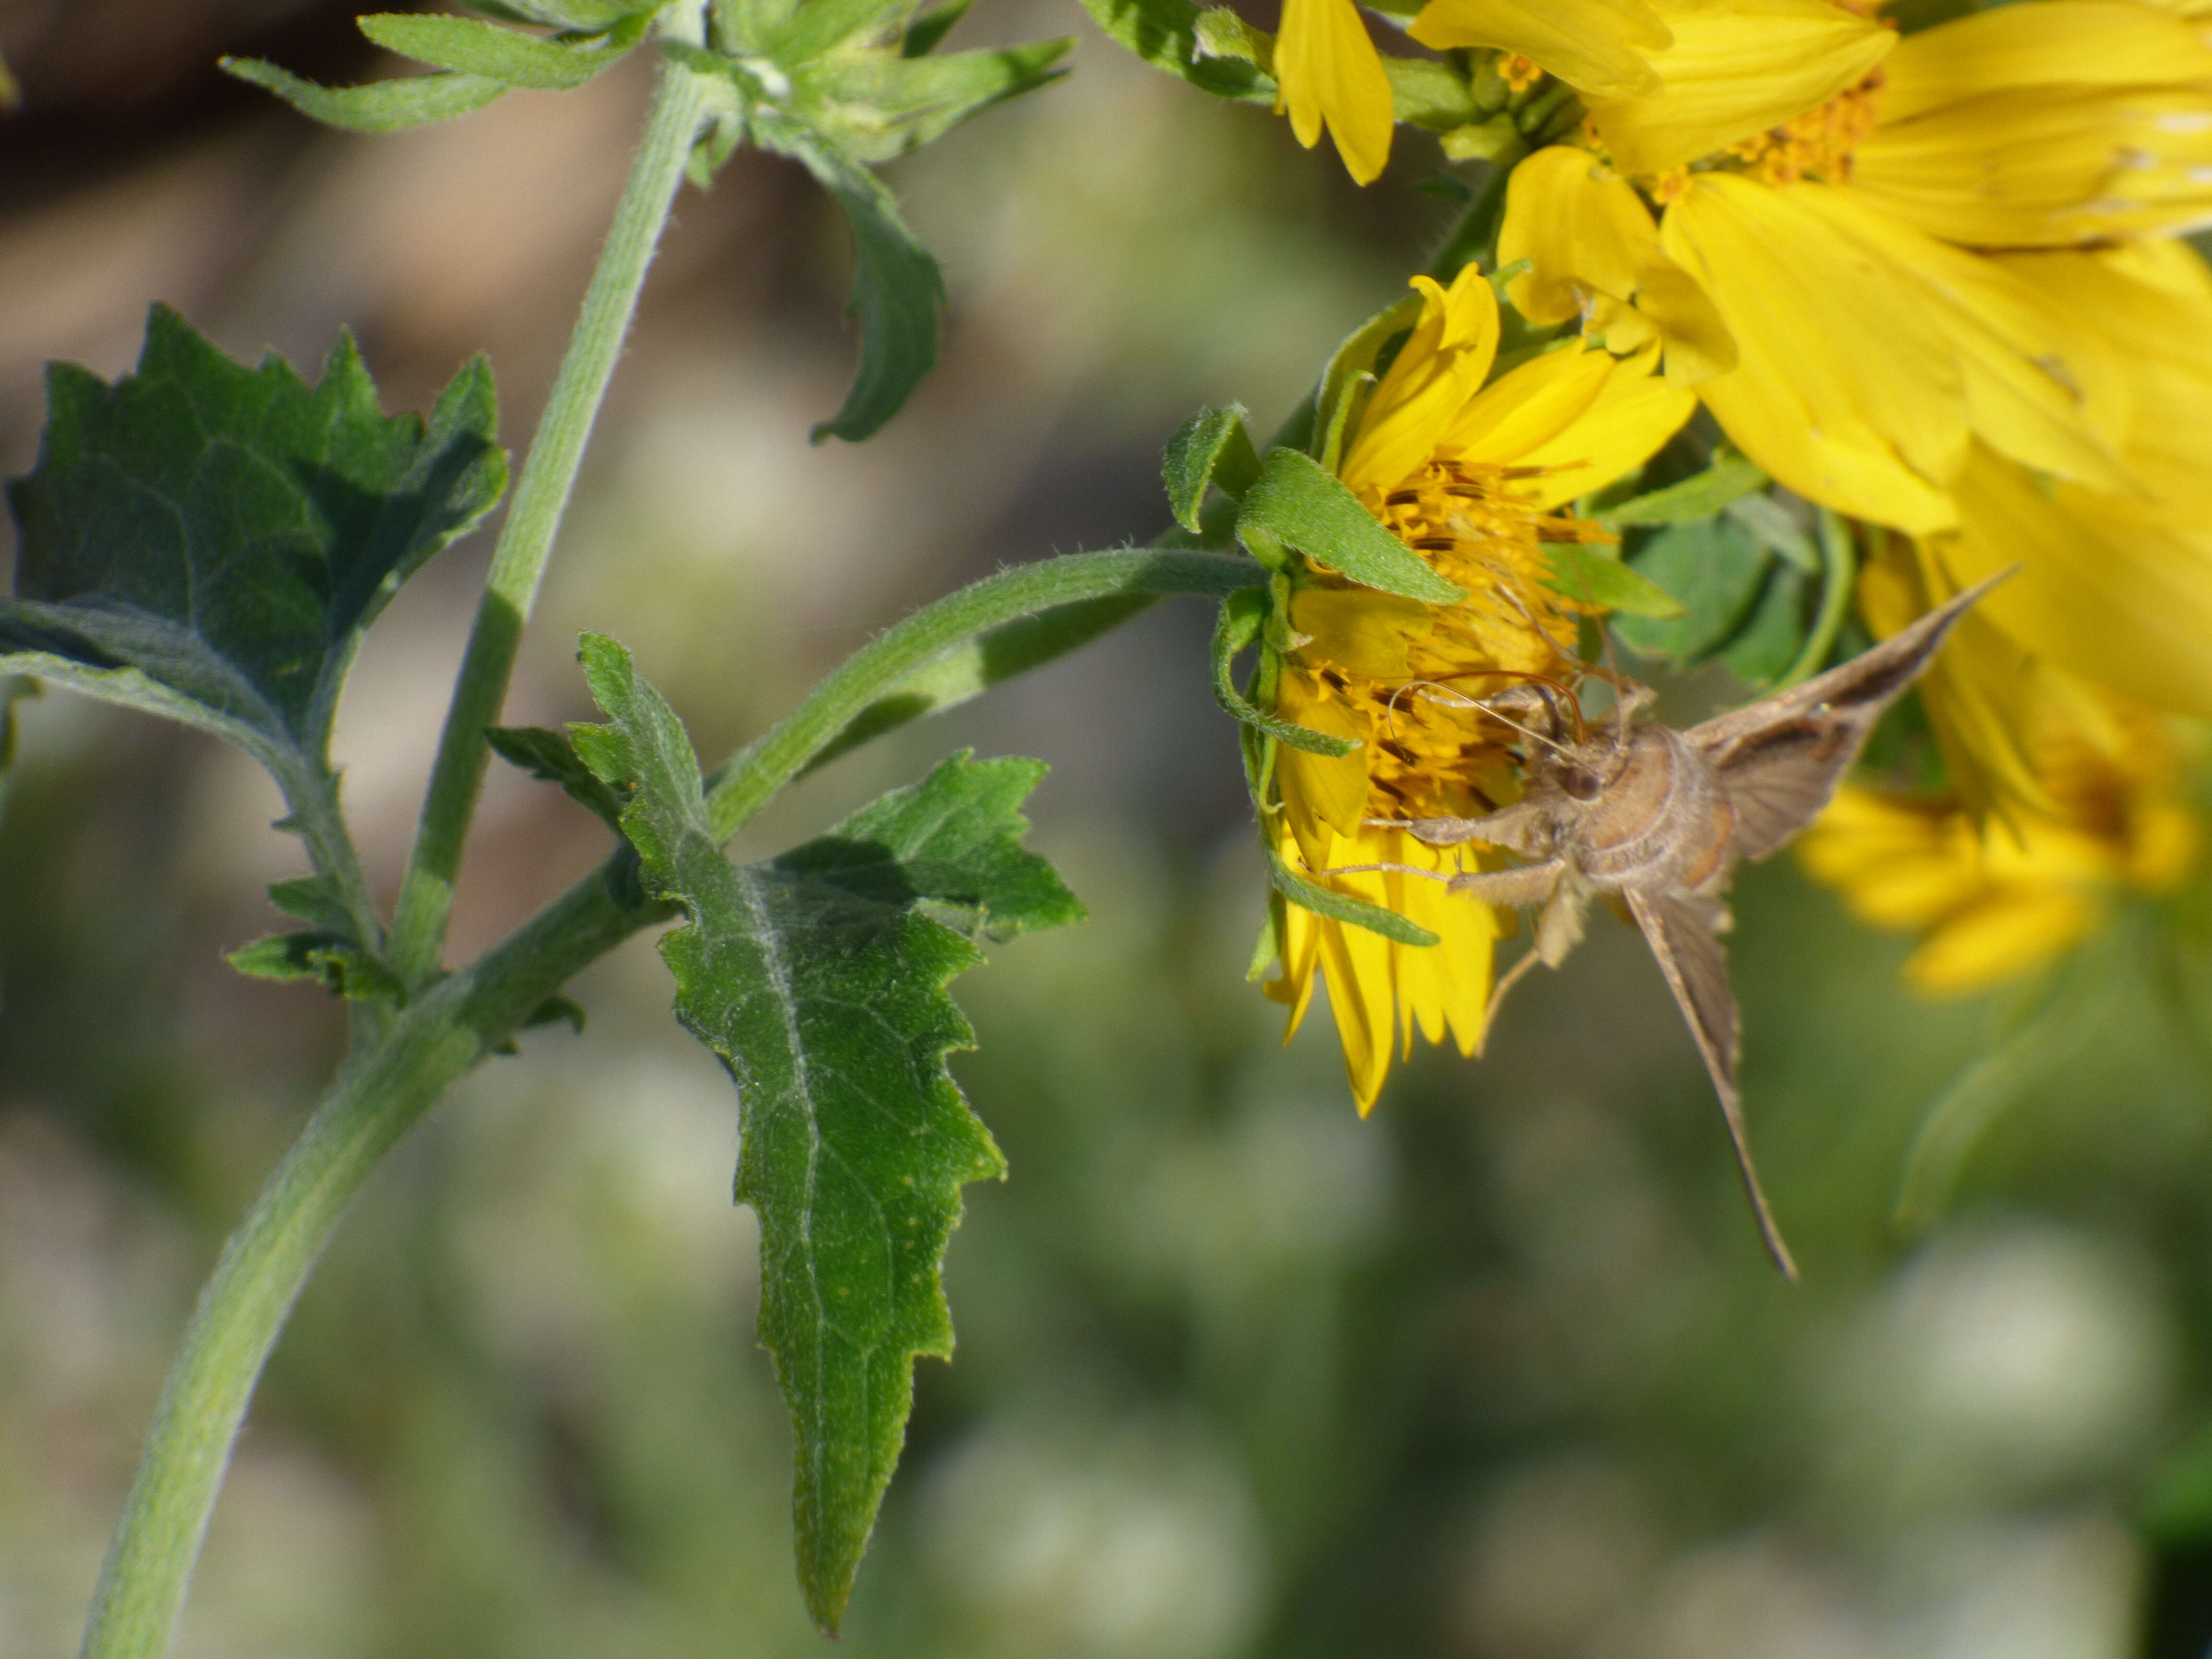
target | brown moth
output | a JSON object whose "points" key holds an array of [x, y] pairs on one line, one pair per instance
{"points": [[1656, 819]]}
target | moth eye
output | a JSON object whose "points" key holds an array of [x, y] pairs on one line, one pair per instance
{"points": [[1581, 784]]}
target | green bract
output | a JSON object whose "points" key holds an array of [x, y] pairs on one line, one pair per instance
{"points": [[818, 978]]}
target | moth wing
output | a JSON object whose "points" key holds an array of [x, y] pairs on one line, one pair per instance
{"points": [[1779, 760], [1681, 936]]}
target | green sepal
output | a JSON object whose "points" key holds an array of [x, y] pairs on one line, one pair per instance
{"points": [[1427, 92], [1348, 366], [1212, 448], [380, 106], [467, 47], [818, 979], [1267, 949], [1337, 906], [1165, 33], [1697, 496], [1243, 616], [1583, 572], [350, 971], [970, 669], [1300, 505], [551, 758]]}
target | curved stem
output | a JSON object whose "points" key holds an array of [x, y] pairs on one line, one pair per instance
{"points": [[1839, 568], [533, 518], [446, 1030], [750, 780]]}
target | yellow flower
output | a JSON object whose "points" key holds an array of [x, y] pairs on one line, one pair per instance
{"points": [[1473, 478], [1827, 184], [1991, 900], [1328, 73]]}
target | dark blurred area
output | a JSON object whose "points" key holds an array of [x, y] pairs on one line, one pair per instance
{"points": [[1500, 1373]]}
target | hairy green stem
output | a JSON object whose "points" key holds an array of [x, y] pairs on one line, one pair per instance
{"points": [[1838, 575], [533, 518], [446, 1030]]}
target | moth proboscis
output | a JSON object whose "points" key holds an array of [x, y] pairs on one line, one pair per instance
{"points": [[1657, 817]]}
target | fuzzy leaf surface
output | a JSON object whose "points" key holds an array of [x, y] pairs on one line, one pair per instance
{"points": [[881, 105], [470, 48], [381, 106], [1301, 505], [819, 980], [209, 542], [1165, 33]]}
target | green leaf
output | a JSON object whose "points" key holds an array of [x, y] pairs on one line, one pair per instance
{"points": [[927, 31], [557, 1011], [1221, 32], [469, 47], [314, 900], [1770, 642], [818, 979], [1716, 569], [586, 16], [209, 542], [1244, 614], [1697, 496], [1211, 448], [551, 758], [898, 289], [970, 669], [876, 107], [1299, 505], [1777, 529], [1583, 572], [1165, 33], [1357, 913], [380, 106], [816, 26]]}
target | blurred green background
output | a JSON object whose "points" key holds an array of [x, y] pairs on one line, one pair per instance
{"points": [[1500, 1372]]}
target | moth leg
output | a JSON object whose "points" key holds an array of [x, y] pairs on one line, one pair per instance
{"points": [[1529, 959], [1560, 926], [1523, 885], [1507, 828]]}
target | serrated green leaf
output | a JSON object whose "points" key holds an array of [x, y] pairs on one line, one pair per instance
{"points": [[209, 542], [880, 106], [1165, 33], [970, 669], [1716, 569], [467, 47], [818, 979], [380, 106], [1211, 448], [928, 29], [1697, 496], [1337, 906], [1301, 506], [551, 758], [1242, 616], [1583, 573]]}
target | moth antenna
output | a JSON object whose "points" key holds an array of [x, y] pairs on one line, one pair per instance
{"points": [[1477, 702], [1555, 747]]}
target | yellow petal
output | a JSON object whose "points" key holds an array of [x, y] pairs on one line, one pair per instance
{"points": [[1437, 370], [1634, 414], [1698, 344], [1530, 407], [2050, 44], [2112, 588], [1327, 71], [1319, 790], [1359, 630], [1581, 227], [1844, 388], [1736, 67], [1596, 46], [2002, 937]]}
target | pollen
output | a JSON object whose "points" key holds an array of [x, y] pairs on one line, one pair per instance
{"points": [[1519, 73], [1817, 144]]}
